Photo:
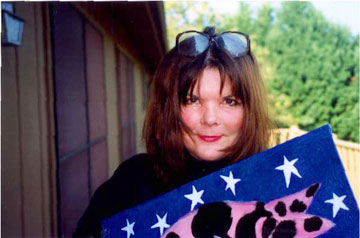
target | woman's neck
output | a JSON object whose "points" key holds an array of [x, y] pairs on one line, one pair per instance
{"points": [[198, 168]]}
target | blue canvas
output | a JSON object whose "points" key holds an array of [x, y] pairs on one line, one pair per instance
{"points": [[298, 187]]}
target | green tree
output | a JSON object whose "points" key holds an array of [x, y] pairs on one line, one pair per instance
{"points": [[187, 15], [241, 21], [315, 69], [263, 23]]}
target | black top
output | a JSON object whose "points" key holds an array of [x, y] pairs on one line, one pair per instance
{"points": [[133, 182]]}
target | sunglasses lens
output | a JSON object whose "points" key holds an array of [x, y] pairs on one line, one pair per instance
{"points": [[235, 43], [192, 44]]}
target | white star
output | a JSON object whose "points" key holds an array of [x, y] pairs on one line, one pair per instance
{"points": [[195, 197], [288, 168], [230, 182], [337, 203], [129, 228], [161, 224]]}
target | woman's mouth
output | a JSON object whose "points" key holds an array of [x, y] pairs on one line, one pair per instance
{"points": [[210, 138]]}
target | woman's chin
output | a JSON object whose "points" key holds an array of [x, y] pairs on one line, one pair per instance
{"points": [[209, 156]]}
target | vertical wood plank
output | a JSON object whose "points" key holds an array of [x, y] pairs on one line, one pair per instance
{"points": [[74, 191], [123, 105], [70, 81], [345, 155], [11, 192], [131, 106], [95, 82], [39, 36], [357, 175], [283, 137], [139, 110], [99, 167], [96, 104], [145, 91], [112, 105], [353, 157], [46, 120], [29, 124], [349, 160]]}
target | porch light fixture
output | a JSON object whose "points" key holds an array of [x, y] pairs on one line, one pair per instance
{"points": [[12, 26]]}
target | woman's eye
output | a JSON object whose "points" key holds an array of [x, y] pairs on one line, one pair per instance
{"points": [[231, 102], [191, 100]]}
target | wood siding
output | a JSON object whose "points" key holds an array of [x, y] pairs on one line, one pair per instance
{"points": [[28, 178], [96, 95], [140, 97], [112, 105], [57, 99], [80, 112], [125, 77]]}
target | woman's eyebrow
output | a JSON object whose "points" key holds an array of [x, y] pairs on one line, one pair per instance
{"points": [[229, 96]]}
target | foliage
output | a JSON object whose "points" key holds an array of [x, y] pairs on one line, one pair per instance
{"points": [[185, 15], [315, 69], [241, 21], [310, 66]]}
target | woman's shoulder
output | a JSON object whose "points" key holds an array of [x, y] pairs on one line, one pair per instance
{"points": [[137, 160], [133, 182], [137, 165]]}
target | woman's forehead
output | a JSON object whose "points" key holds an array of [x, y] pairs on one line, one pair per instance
{"points": [[210, 81]]}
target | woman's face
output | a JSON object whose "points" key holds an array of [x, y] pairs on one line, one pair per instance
{"points": [[214, 119]]}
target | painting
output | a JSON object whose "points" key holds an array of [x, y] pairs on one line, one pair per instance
{"points": [[296, 189]]}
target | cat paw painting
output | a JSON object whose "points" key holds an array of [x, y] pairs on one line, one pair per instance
{"points": [[296, 189]]}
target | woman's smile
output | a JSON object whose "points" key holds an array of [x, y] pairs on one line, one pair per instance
{"points": [[210, 138]]}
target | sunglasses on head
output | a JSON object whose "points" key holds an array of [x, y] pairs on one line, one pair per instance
{"points": [[194, 43]]}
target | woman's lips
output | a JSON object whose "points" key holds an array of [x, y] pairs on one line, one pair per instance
{"points": [[210, 138]]}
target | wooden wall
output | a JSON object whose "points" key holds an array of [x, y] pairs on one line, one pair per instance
{"points": [[113, 130], [28, 175], [126, 83], [140, 87], [30, 193]]}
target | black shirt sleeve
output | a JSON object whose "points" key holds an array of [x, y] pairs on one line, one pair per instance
{"points": [[133, 182]]}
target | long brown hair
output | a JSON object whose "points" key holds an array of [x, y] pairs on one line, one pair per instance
{"points": [[175, 76]]}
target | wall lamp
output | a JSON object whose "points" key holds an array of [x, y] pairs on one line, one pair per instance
{"points": [[12, 26]]}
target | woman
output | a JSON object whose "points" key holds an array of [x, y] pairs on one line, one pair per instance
{"points": [[207, 110]]}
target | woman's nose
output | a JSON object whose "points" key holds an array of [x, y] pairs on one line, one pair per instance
{"points": [[210, 115]]}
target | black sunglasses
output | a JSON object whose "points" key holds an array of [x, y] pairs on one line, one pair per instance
{"points": [[194, 43]]}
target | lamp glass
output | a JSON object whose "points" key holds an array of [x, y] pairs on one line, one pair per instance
{"points": [[14, 28], [7, 6]]}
